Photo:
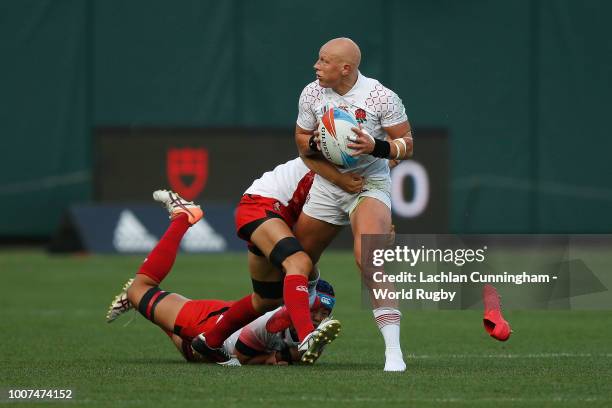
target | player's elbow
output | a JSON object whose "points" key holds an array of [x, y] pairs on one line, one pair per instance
{"points": [[302, 140], [409, 146]]}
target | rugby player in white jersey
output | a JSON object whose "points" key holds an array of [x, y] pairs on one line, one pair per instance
{"points": [[278, 265], [381, 115]]}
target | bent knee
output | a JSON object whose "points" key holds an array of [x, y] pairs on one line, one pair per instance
{"points": [[136, 291], [284, 249], [132, 295]]}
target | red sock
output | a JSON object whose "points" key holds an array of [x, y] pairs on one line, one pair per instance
{"points": [[159, 262], [281, 319], [238, 315], [296, 299], [493, 320]]}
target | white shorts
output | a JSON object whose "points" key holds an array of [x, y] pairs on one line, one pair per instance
{"points": [[328, 202]]}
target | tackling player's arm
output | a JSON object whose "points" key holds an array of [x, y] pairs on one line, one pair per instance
{"points": [[307, 143], [349, 182]]}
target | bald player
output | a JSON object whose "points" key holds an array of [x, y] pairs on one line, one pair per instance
{"points": [[380, 114]]}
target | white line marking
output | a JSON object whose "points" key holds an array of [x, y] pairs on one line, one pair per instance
{"points": [[531, 355]]}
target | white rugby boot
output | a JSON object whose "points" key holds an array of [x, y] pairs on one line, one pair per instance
{"points": [[312, 346], [120, 303], [177, 205]]}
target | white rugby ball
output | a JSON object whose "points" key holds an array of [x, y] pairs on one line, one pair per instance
{"points": [[335, 134]]}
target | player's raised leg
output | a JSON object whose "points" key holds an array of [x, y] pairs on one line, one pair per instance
{"points": [[372, 216], [142, 291]]}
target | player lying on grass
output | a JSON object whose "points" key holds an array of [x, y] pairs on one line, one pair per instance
{"points": [[270, 339], [183, 319]]}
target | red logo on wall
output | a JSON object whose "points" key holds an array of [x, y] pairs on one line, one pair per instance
{"points": [[187, 170]]}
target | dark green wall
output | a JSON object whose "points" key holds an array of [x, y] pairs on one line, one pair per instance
{"points": [[523, 87], [44, 112]]}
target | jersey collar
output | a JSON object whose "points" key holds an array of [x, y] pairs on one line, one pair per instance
{"points": [[353, 90]]}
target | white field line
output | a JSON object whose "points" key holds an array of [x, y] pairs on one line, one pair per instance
{"points": [[357, 399], [510, 356]]}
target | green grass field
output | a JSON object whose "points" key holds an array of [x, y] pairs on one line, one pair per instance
{"points": [[52, 312]]}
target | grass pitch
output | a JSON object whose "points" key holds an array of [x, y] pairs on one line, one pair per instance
{"points": [[52, 311]]}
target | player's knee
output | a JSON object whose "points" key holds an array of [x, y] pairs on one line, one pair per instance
{"points": [[142, 283], [298, 264], [284, 249], [134, 294], [367, 277]]}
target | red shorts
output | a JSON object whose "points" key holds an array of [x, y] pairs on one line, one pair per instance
{"points": [[199, 316], [253, 210]]}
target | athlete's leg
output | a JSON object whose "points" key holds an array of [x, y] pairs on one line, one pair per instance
{"points": [[314, 235], [372, 216], [264, 273], [276, 242], [155, 304], [247, 309]]}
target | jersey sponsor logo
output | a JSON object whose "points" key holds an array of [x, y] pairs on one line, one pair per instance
{"points": [[302, 288], [187, 171]]}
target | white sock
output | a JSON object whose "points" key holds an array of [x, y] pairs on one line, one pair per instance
{"points": [[388, 321], [312, 289]]}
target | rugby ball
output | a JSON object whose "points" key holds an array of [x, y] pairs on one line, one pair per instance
{"points": [[335, 134]]}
